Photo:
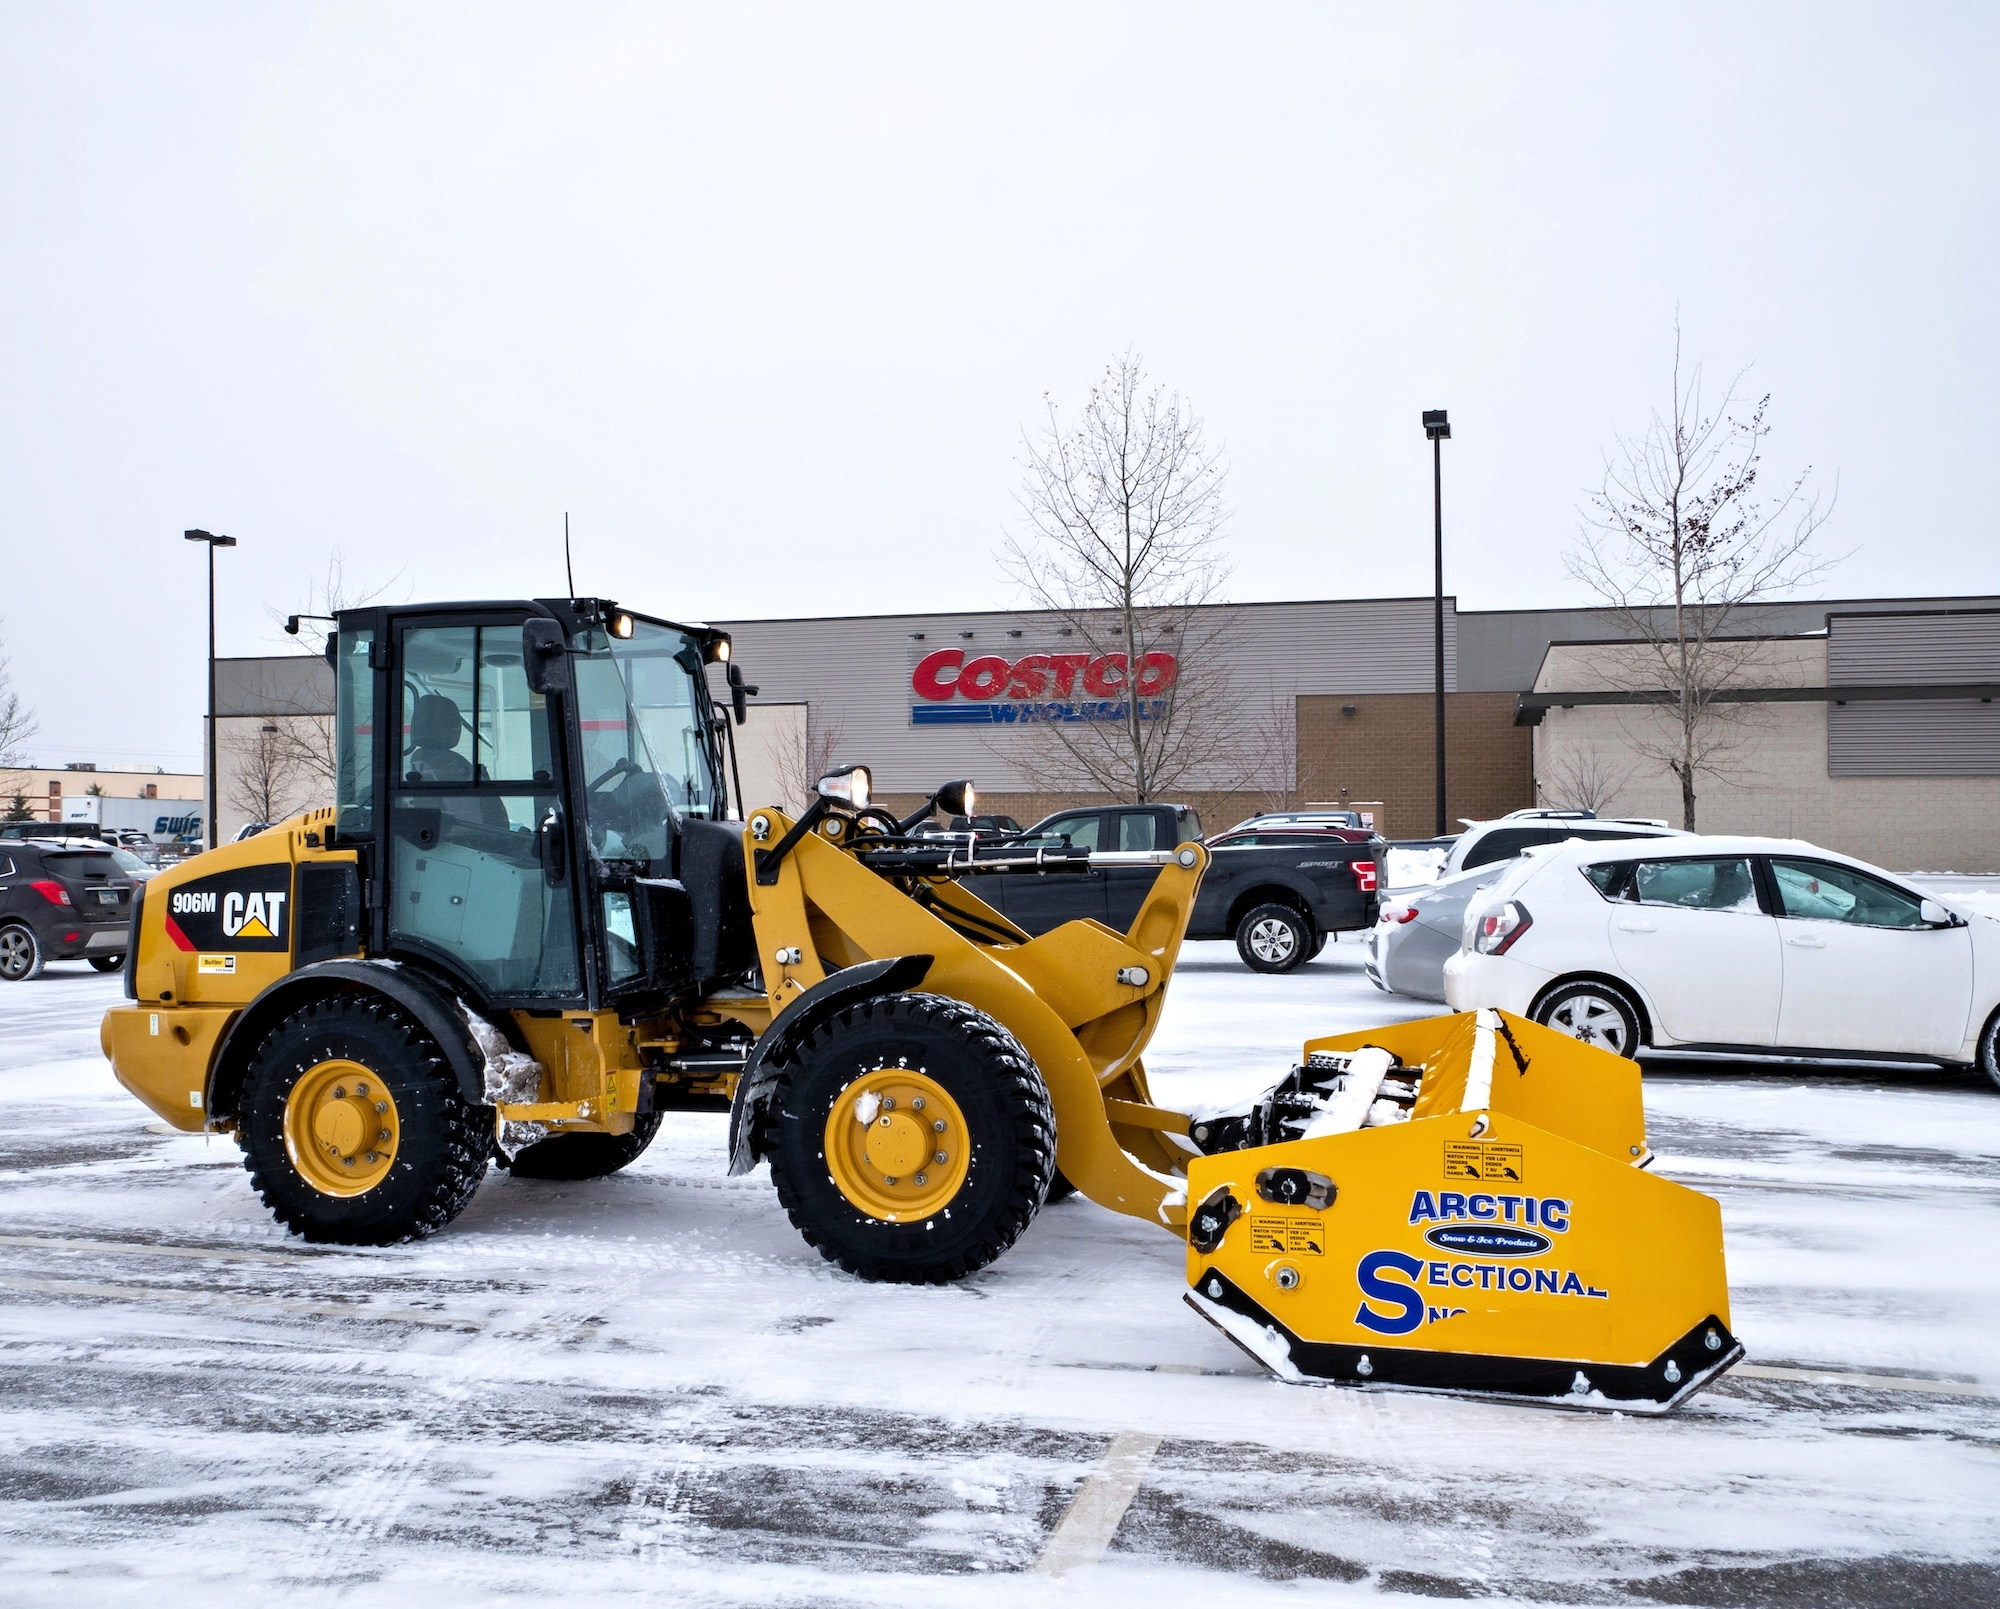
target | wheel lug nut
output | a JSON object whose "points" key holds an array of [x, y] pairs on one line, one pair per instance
{"points": [[888, 1179], [347, 1162], [941, 1159], [370, 1157], [361, 1089], [340, 1092], [383, 1136], [888, 1103], [381, 1106], [917, 1105], [938, 1126], [922, 1179]]}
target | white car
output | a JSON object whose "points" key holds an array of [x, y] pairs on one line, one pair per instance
{"points": [[1745, 947]]}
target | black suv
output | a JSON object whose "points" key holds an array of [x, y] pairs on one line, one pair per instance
{"points": [[59, 902]]}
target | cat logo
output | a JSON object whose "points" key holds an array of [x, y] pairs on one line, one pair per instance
{"points": [[254, 915]]}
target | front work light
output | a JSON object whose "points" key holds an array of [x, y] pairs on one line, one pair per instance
{"points": [[849, 785], [958, 798], [621, 626], [715, 649]]}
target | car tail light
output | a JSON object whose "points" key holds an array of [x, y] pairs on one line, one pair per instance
{"points": [[1364, 876], [72, 938], [1398, 913], [1499, 929], [51, 891]]}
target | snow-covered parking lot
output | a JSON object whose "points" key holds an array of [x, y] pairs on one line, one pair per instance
{"points": [[647, 1388]]}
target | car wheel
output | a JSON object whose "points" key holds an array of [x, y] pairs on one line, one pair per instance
{"points": [[1599, 1014], [1989, 1049], [20, 954], [1273, 938], [107, 963]]}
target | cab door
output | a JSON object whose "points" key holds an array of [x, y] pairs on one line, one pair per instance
{"points": [[477, 835]]}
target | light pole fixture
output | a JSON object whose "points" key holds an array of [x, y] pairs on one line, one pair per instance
{"points": [[214, 788], [1437, 429]]}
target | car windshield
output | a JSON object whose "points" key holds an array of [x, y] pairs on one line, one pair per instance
{"points": [[129, 862], [647, 754]]}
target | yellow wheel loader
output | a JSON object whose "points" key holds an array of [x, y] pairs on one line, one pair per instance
{"points": [[527, 927]]}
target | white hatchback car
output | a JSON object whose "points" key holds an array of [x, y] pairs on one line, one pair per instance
{"points": [[1745, 947]]}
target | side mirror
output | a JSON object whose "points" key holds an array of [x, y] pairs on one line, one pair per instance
{"points": [[545, 656], [739, 695], [1935, 915]]}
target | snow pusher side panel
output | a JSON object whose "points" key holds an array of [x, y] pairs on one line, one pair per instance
{"points": [[1564, 1276], [1516, 1066], [1495, 1236]]}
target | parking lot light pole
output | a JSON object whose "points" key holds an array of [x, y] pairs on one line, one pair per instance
{"points": [[214, 788], [1438, 429]]}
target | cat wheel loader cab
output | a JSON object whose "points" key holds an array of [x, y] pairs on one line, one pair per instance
{"points": [[527, 927]]}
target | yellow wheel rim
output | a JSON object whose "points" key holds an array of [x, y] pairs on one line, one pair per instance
{"points": [[341, 1128], [897, 1145]]}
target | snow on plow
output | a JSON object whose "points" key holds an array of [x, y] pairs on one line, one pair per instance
{"points": [[1459, 1204]]}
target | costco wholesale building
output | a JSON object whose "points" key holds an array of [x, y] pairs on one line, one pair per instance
{"points": [[1865, 725]]}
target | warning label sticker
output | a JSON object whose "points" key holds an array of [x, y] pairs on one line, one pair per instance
{"points": [[1494, 1160], [1306, 1235]]}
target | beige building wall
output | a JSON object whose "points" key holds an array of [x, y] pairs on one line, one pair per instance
{"points": [[43, 788], [1776, 782]]}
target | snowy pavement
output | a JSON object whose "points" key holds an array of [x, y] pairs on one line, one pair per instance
{"points": [[647, 1387]]}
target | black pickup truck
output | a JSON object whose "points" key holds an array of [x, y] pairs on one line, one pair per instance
{"points": [[1280, 893]]}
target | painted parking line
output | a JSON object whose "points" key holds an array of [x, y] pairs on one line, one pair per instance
{"points": [[1086, 1529]]}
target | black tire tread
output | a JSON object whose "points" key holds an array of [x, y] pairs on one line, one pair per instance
{"points": [[1025, 1096], [465, 1131], [583, 1156]]}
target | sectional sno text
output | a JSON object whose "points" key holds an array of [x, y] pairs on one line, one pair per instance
{"points": [[993, 691]]}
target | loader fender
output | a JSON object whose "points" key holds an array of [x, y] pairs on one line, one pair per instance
{"points": [[891, 975], [433, 1004]]}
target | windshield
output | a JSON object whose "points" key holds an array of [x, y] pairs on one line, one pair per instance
{"points": [[647, 754]]}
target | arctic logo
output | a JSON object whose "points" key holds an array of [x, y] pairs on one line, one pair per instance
{"points": [[1446, 1206], [253, 916], [1493, 1242]]}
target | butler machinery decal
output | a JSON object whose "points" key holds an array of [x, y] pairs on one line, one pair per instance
{"points": [[992, 691], [246, 910]]}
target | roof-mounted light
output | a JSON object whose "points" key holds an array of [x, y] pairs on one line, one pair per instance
{"points": [[621, 625]]}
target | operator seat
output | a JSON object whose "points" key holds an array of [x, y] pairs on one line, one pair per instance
{"points": [[435, 725]]}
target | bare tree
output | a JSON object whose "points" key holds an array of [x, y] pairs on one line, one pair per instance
{"points": [[17, 727], [1582, 779], [1270, 750], [264, 782], [1677, 539], [329, 595], [1122, 545], [806, 753]]}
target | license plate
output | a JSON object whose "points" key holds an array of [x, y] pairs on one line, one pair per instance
{"points": [[107, 896]]}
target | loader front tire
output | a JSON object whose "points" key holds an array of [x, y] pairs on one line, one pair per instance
{"points": [[583, 1156], [912, 1062], [320, 1090]]}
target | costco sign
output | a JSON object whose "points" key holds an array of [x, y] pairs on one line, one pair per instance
{"points": [[992, 691]]}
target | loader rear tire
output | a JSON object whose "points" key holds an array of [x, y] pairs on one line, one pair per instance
{"points": [[583, 1156], [986, 1080], [442, 1142]]}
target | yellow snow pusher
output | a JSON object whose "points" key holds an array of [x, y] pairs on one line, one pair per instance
{"points": [[1459, 1204], [533, 924]]}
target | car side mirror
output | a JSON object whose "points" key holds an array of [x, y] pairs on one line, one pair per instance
{"points": [[1933, 914], [545, 656]]}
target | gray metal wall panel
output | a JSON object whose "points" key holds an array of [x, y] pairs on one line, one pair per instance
{"points": [[1915, 738], [1912, 648], [857, 670]]}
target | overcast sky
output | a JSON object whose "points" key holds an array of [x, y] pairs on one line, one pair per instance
{"points": [[762, 295]]}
